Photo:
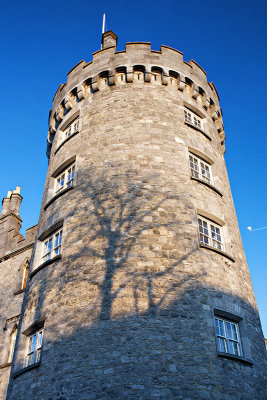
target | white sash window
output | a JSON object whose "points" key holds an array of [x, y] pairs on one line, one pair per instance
{"points": [[52, 246], [193, 119], [34, 347], [210, 233], [227, 335], [65, 179], [72, 128], [200, 169]]}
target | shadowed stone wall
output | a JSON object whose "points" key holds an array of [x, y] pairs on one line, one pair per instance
{"points": [[15, 254]]}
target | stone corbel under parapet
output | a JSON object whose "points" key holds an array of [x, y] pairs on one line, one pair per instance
{"points": [[195, 91], [94, 84], [68, 102], [222, 136], [181, 83], [205, 101], [59, 114], [111, 78], [164, 78], [51, 135], [219, 123], [129, 74], [215, 115], [81, 91]]}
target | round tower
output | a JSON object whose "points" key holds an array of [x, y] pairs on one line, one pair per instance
{"points": [[138, 286]]}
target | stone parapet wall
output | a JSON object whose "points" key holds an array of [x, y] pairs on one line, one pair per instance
{"points": [[109, 65]]}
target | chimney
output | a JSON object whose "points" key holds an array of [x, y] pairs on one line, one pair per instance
{"points": [[6, 203], [15, 201], [109, 39]]}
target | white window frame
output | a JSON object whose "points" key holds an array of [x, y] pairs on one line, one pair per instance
{"points": [[227, 336], [200, 169], [52, 245], [193, 119], [210, 233], [65, 179], [71, 128], [34, 345]]}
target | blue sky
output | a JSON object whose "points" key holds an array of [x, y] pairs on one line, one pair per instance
{"points": [[42, 40]]}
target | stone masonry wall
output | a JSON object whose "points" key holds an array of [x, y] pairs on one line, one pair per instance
{"points": [[128, 308], [11, 297]]}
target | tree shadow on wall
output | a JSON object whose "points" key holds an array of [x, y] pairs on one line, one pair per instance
{"points": [[131, 231], [127, 242], [125, 235]]}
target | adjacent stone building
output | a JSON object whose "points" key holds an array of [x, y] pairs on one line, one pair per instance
{"points": [[15, 254], [138, 286]]}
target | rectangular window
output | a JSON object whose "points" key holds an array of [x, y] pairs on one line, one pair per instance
{"points": [[52, 246], [227, 335], [210, 233], [65, 179], [34, 347], [200, 169], [72, 128], [193, 119]]}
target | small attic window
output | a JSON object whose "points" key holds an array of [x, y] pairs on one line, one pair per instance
{"points": [[72, 128], [193, 119]]}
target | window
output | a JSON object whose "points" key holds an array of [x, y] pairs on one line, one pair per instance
{"points": [[210, 233], [25, 275], [193, 119], [65, 179], [200, 169], [34, 347], [227, 335], [52, 246], [12, 345], [72, 128]]}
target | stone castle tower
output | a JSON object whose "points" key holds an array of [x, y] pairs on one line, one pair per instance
{"points": [[138, 287]]}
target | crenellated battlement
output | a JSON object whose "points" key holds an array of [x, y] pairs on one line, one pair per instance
{"points": [[109, 68]]}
